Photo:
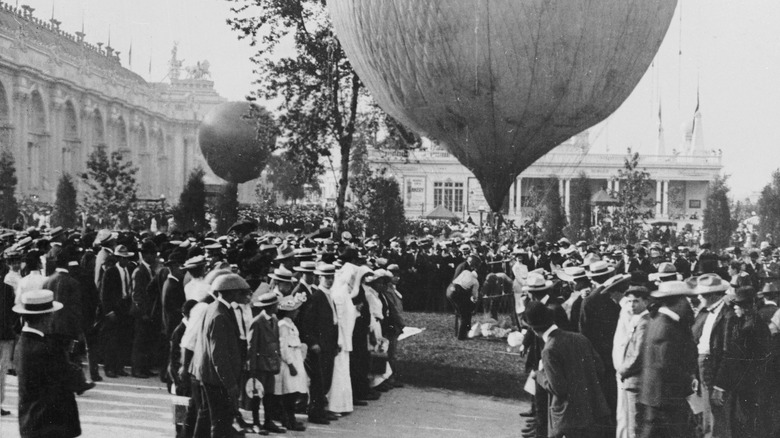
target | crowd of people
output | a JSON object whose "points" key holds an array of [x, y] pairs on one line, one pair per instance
{"points": [[631, 340], [641, 340], [292, 324]]}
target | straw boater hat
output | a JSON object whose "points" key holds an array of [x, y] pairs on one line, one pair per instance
{"points": [[121, 251], [710, 283], [282, 274], [673, 289], [572, 273], [266, 299], [285, 252], [325, 270], [599, 268], [36, 302], [666, 272], [536, 283], [590, 259], [194, 262], [306, 266]]}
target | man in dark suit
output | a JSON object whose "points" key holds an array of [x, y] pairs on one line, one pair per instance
{"points": [[669, 366], [145, 334], [219, 365], [114, 307], [67, 323], [570, 373], [320, 332], [47, 405], [538, 259], [599, 317], [708, 334]]}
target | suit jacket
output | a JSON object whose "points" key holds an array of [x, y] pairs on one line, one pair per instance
{"points": [[111, 296], [630, 370], [571, 374], [7, 316], [745, 356], [711, 366], [142, 305], [217, 359], [172, 301], [669, 362], [599, 317], [68, 321], [534, 344], [318, 327], [264, 350], [47, 405]]}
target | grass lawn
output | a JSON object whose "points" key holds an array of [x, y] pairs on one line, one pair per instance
{"points": [[435, 358]]}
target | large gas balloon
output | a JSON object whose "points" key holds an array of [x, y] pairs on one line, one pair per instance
{"points": [[235, 143], [500, 82]]}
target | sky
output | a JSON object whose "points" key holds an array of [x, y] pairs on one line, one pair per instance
{"points": [[727, 50]]}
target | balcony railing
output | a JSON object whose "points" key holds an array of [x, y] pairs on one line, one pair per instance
{"points": [[553, 158]]}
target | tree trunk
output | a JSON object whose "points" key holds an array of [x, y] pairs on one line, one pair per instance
{"points": [[343, 183]]}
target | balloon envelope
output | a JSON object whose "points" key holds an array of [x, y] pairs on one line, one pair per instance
{"points": [[500, 82], [235, 148]]}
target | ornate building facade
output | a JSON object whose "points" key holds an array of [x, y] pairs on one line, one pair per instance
{"points": [[62, 97]]}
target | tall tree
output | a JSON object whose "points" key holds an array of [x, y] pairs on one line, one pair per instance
{"points": [[227, 207], [111, 187], [65, 212], [553, 216], [283, 175], [634, 206], [769, 208], [717, 223], [379, 201], [190, 212], [9, 208], [321, 98], [579, 209]]}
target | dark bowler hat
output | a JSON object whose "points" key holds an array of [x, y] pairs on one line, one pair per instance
{"points": [[537, 316]]}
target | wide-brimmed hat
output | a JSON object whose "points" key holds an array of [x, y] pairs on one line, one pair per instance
{"points": [[770, 287], [282, 274], [614, 282], [589, 259], [673, 289], [572, 273], [195, 262], [637, 291], [536, 283], [36, 302], [710, 283], [326, 270], [306, 266], [599, 268], [121, 251], [666, 272], [301, 253], [266, 299], [229, 282], [177, 257], [292, 302], [285, 251]]}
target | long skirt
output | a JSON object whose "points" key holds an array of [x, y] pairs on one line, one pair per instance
{"points": [[340, 395]]}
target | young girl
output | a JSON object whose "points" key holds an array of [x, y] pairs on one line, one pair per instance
{"points": [[291, 380]]}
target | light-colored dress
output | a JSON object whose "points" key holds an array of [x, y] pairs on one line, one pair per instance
{"points": [[375, 327], [292, 352], [340, 395]]}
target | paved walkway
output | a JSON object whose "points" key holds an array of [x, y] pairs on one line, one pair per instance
{"points": [[128, 407]]}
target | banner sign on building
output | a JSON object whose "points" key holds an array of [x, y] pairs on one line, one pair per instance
{"points": [[414, 194]]}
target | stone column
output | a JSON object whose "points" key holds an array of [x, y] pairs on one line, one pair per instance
{"points": [[665, 206], [616, 186], [519, 212], [658, 198], [567, 197]]}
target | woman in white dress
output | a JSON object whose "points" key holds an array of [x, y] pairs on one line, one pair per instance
{"points": [[291, 382], [345, 284]]}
